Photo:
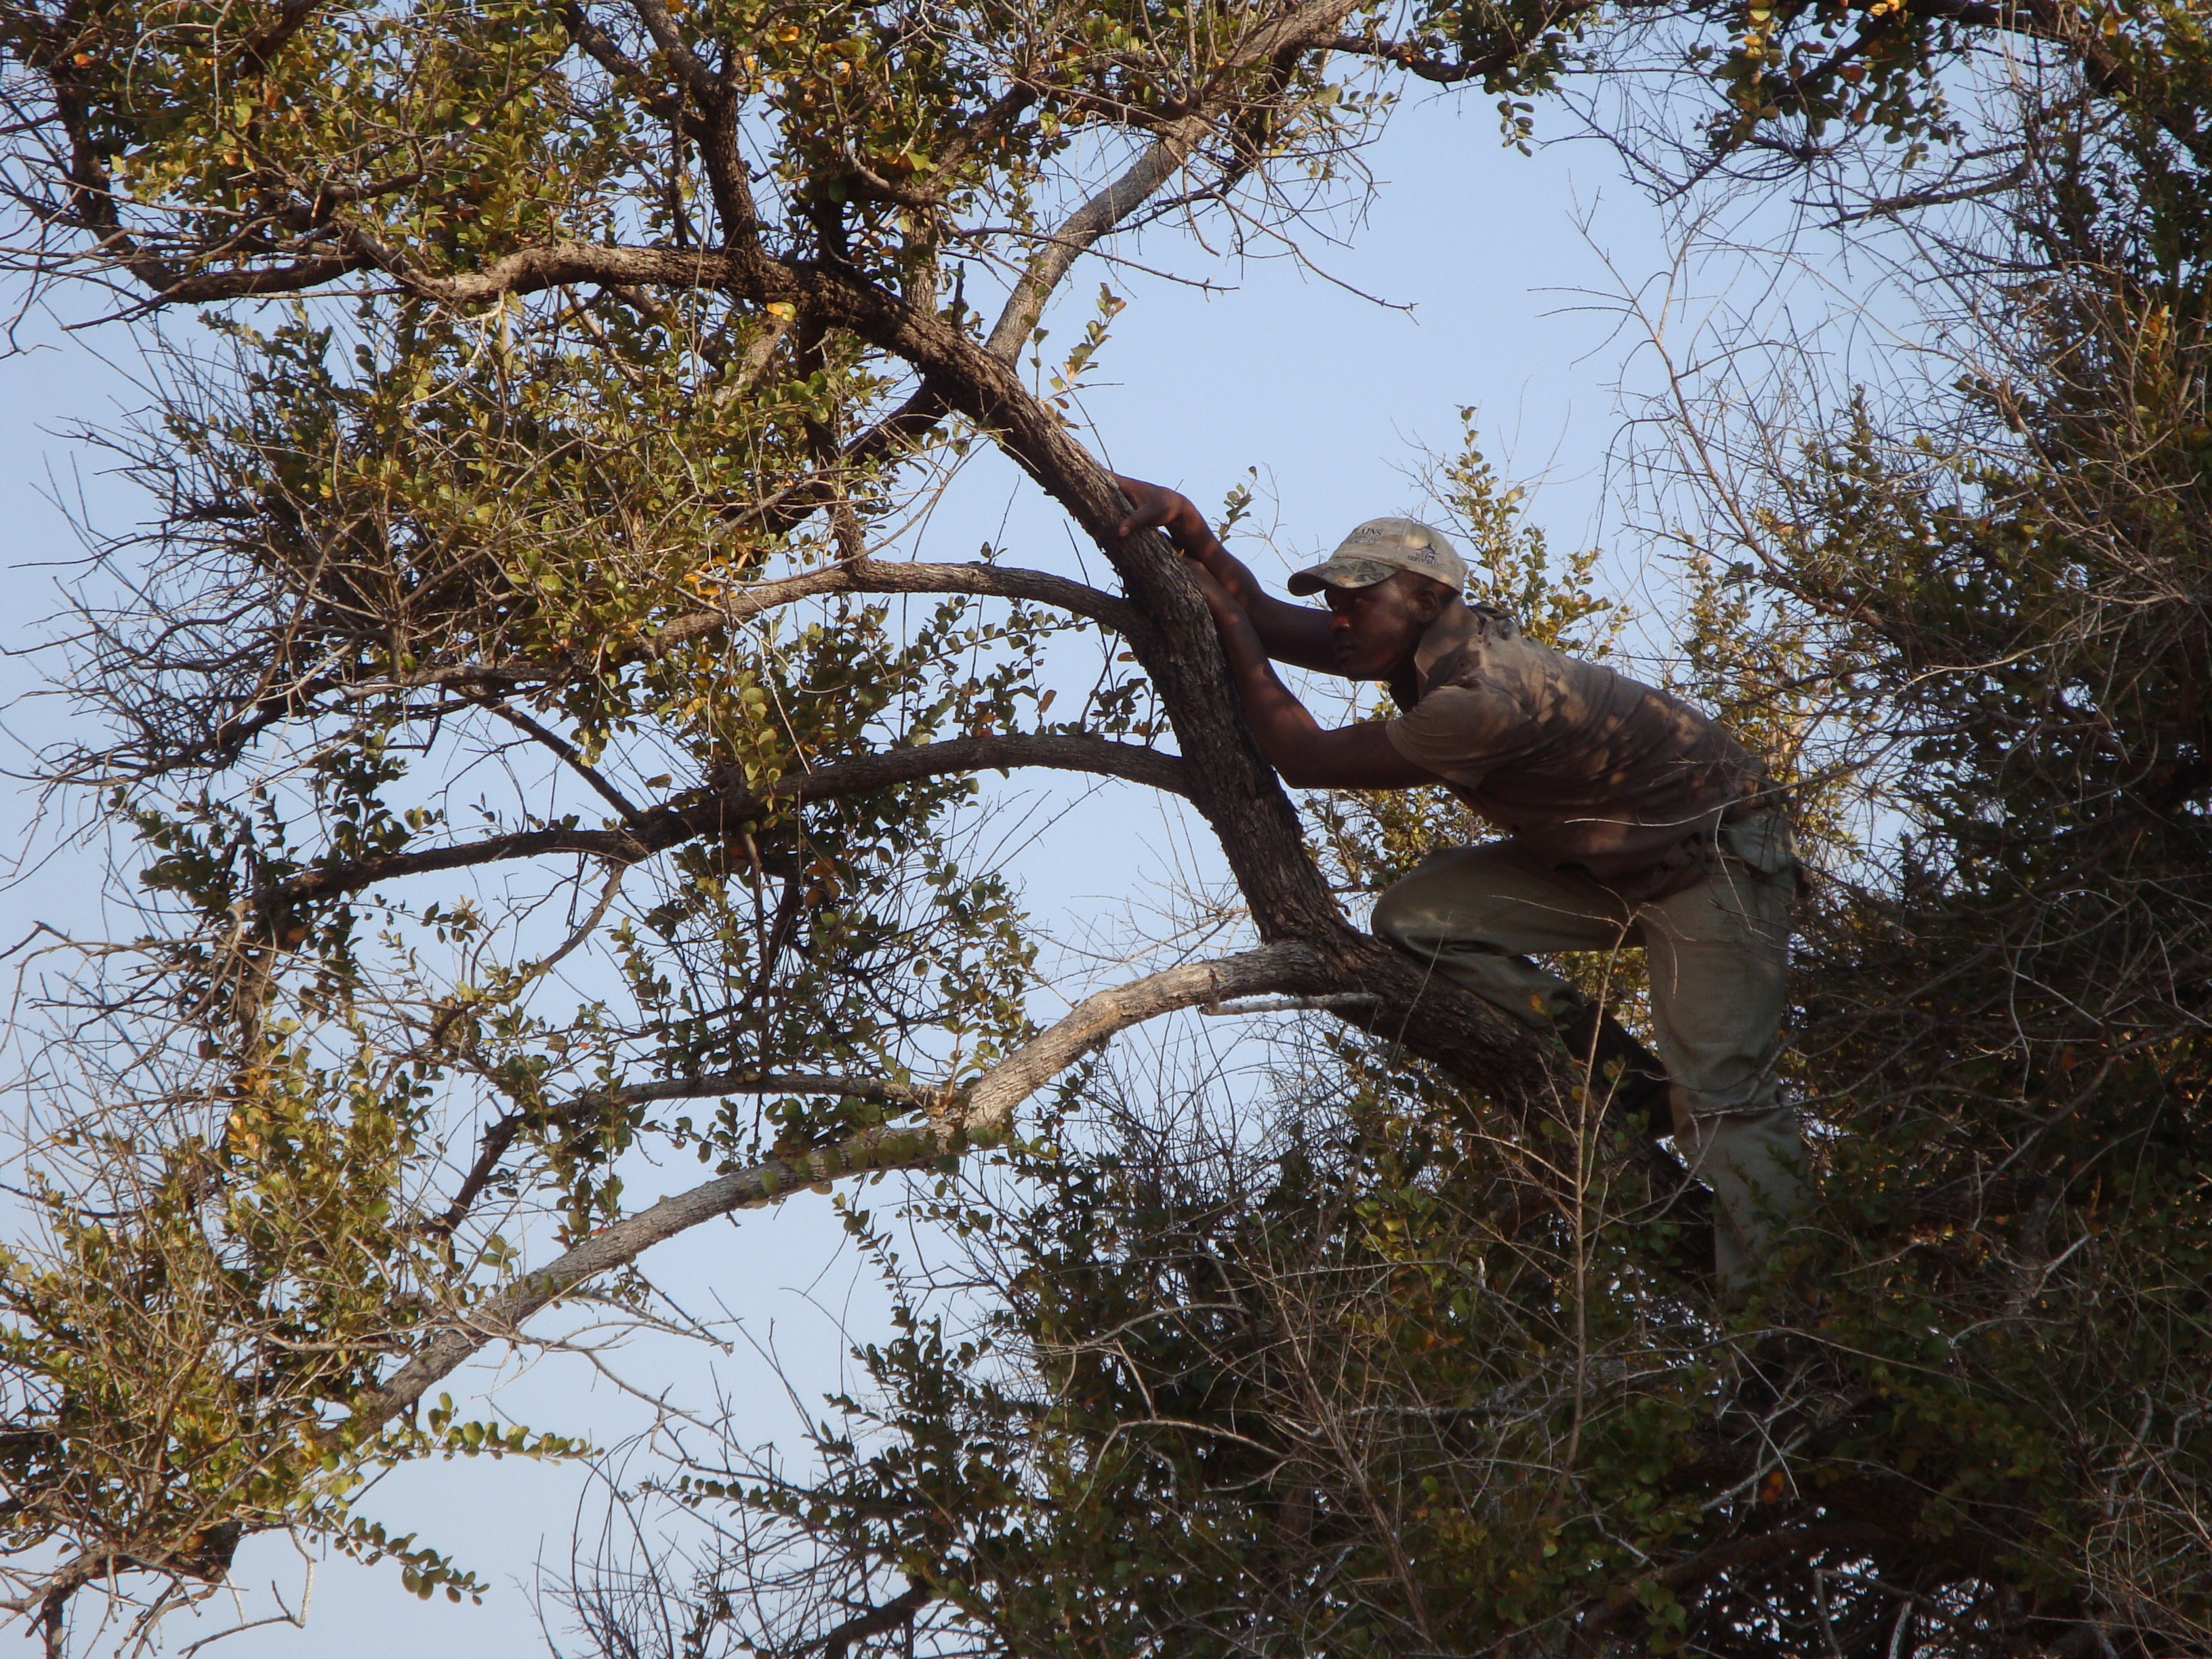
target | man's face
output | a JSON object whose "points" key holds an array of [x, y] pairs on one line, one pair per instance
{"points": [[1373, 630]]}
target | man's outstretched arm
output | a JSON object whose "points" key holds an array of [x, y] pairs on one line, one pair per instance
{"points": [[1308, 756], [1295, 633]]}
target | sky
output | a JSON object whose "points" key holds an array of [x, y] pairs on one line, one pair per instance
{"points": [[1482, 266]]}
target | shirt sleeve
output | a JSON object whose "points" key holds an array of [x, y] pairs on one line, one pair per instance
{"points": [[1459, 733]]}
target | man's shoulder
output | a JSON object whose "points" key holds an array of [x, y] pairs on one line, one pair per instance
{"points": [[1488, 655], [1496, 657], [1464, 643]]}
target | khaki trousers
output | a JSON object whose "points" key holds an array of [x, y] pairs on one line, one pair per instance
{"points": [[1717, 954]]}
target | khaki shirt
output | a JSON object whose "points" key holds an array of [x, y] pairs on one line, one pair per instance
{"points": [[1586, 768]]}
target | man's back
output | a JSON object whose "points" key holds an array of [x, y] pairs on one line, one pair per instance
{"points": [[1585, 767]]}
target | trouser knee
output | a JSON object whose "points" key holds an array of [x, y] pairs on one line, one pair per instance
{"points": [[1407, 916], [1512, 984], [1397, 919]]}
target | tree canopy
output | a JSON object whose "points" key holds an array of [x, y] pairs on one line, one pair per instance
{"points": [[516, 603]]}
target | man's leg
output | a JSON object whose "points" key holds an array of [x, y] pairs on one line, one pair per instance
{"points": [[1471, 911], [1718, 955]]}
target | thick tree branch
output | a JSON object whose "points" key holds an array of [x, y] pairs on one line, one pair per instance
{"points": [[883, 1090], [982, 1118], [1232, 786], [660, 828], [874, 576], [894, 1614], [668, 38], [258, 281], [549, 265], [499, 1136]]}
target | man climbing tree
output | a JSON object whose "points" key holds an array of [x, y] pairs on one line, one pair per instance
{"points": [[1632, 819], [531, 764]]}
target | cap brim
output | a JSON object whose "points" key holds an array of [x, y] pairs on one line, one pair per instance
{"points": [[1339, 572]]}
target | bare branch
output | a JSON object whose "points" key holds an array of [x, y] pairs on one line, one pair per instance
{"points": [[981, 1119], [1094, 219], [499, 1136], [657, 829], [882, 1090], [570, 755], [876, 576], [1173, 141]]}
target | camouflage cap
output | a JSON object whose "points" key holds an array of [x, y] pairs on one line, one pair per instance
{"points": [[1380, 549]]}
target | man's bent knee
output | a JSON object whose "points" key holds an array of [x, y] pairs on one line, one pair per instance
{"points": [[1451, 898], [1399, 915], [1448, 938]]}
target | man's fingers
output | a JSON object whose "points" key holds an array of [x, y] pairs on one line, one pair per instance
{"points": [[1151, 506]]}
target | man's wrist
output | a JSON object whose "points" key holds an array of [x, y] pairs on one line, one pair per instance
{"points": [[1240, 639], [1188, 530]]}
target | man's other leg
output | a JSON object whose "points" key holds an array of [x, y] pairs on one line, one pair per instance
{"points": [[1719, 955], [1471, 911]]}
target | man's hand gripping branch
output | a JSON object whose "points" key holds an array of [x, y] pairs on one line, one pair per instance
{"points": [[1367, 634]]}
